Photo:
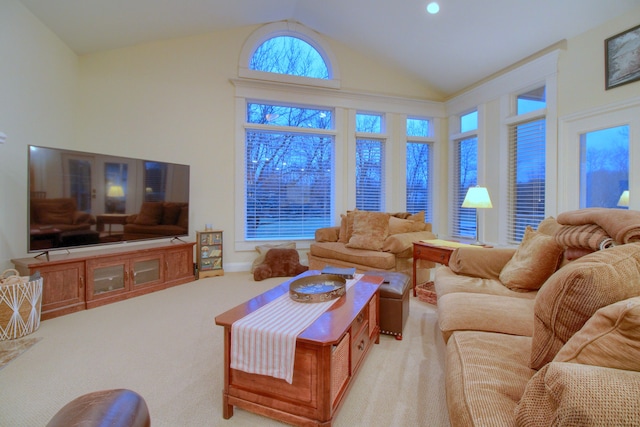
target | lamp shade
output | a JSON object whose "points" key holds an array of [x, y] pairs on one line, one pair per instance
{"points": [[477, 197], [624, 198], [115, 191]]}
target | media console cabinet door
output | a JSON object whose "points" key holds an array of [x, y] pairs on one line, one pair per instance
{"points": [[63, 286]]}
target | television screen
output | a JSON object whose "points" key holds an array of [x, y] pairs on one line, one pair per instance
{"points": [[79, 199]]}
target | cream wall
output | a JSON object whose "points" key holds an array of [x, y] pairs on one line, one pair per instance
{"points": [[581, 76], [579, 79], [38, 78]]}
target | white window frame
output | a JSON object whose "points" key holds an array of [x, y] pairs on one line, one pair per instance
{"points": [[254, 86], [574, 125]]}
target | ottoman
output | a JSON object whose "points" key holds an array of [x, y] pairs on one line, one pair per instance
{"points": [[113, 408], [394, 301]]}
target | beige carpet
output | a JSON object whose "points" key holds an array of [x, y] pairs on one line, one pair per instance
{"points": [[11, 349], [167, 347]]}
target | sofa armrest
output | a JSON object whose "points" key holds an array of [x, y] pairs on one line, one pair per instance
{"points": [[485, 263], [327, 234], [573, 394], [398, 243]]}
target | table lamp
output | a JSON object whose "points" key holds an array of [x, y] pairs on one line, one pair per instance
{"points": [[624, 199], [477, 197]]}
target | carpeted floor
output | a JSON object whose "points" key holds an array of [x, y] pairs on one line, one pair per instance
{"points": [[11, 349], [167, 347]]}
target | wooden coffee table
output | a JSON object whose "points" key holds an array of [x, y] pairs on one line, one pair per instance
{"points": [[328, 355]]}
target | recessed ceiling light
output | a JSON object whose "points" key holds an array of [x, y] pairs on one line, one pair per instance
{"points": [[433, 8]]}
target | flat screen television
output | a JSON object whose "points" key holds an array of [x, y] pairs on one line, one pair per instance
{"points": [[85, 199]]}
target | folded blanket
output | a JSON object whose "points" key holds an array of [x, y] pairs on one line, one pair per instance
{"points": [[621, 224], [589, 236]]}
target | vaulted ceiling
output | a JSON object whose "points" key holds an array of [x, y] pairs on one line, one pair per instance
{"points": [[464, 43]]}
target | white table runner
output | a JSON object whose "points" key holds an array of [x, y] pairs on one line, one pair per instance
{"points": [[264, 342]]}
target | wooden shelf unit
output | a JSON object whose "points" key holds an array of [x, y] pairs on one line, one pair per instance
{"points": [[83, 280], [209, 253]]}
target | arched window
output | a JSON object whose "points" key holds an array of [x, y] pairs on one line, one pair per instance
{"points": [[289, 52], [289, 55]]}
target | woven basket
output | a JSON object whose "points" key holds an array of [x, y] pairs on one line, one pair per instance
{"points": [[20, 302], [427, 293]]}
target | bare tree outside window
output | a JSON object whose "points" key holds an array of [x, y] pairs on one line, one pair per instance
{"points": [[288, 172]]}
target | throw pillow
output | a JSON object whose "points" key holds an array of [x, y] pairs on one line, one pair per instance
{"points": [[183, 218], [610, 338], [346, 226], [150, 214], [370, 229], [171, 212], [575, 292], [279, 263], [263, 249], [535, 260], [397, 225], [549, 226]]}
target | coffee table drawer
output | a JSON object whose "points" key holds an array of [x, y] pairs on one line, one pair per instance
{"points": [[358, 347]]}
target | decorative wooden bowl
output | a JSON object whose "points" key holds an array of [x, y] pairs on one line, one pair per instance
{"points": [[321, 288]]}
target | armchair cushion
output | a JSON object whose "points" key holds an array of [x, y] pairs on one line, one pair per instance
{"points": [[611, 338], [535, 260], [575, 292], [370, 229]]}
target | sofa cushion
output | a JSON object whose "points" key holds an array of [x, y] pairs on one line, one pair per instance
{"points": [[535, 260], [610, 338], [150, 214], [464, 311], [446, 282], [370, 229], [575, 292], [571, 394], [486, 375], [338, 251]]}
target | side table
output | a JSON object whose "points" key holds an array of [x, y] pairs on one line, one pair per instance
{"points": [[103, 219]]}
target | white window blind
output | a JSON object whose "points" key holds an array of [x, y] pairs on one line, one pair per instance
{"points": [[465, 175], [288, 184], [370, 174], [419, 178], [526, 195]]}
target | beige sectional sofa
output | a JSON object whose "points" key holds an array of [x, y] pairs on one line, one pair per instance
{"points": [[371, 241], [525, 349]]}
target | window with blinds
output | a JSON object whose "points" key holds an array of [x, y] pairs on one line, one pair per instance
{"points": [[527, 146], [369, 175], [465, 175], [369, 163], [288, 173], [526, 195], [418, 165], [289, 184]]}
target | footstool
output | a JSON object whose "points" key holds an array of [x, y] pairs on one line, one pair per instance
{"points": [[394, 301]]}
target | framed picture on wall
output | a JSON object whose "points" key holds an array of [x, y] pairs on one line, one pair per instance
{"points": [[622, 58]]}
